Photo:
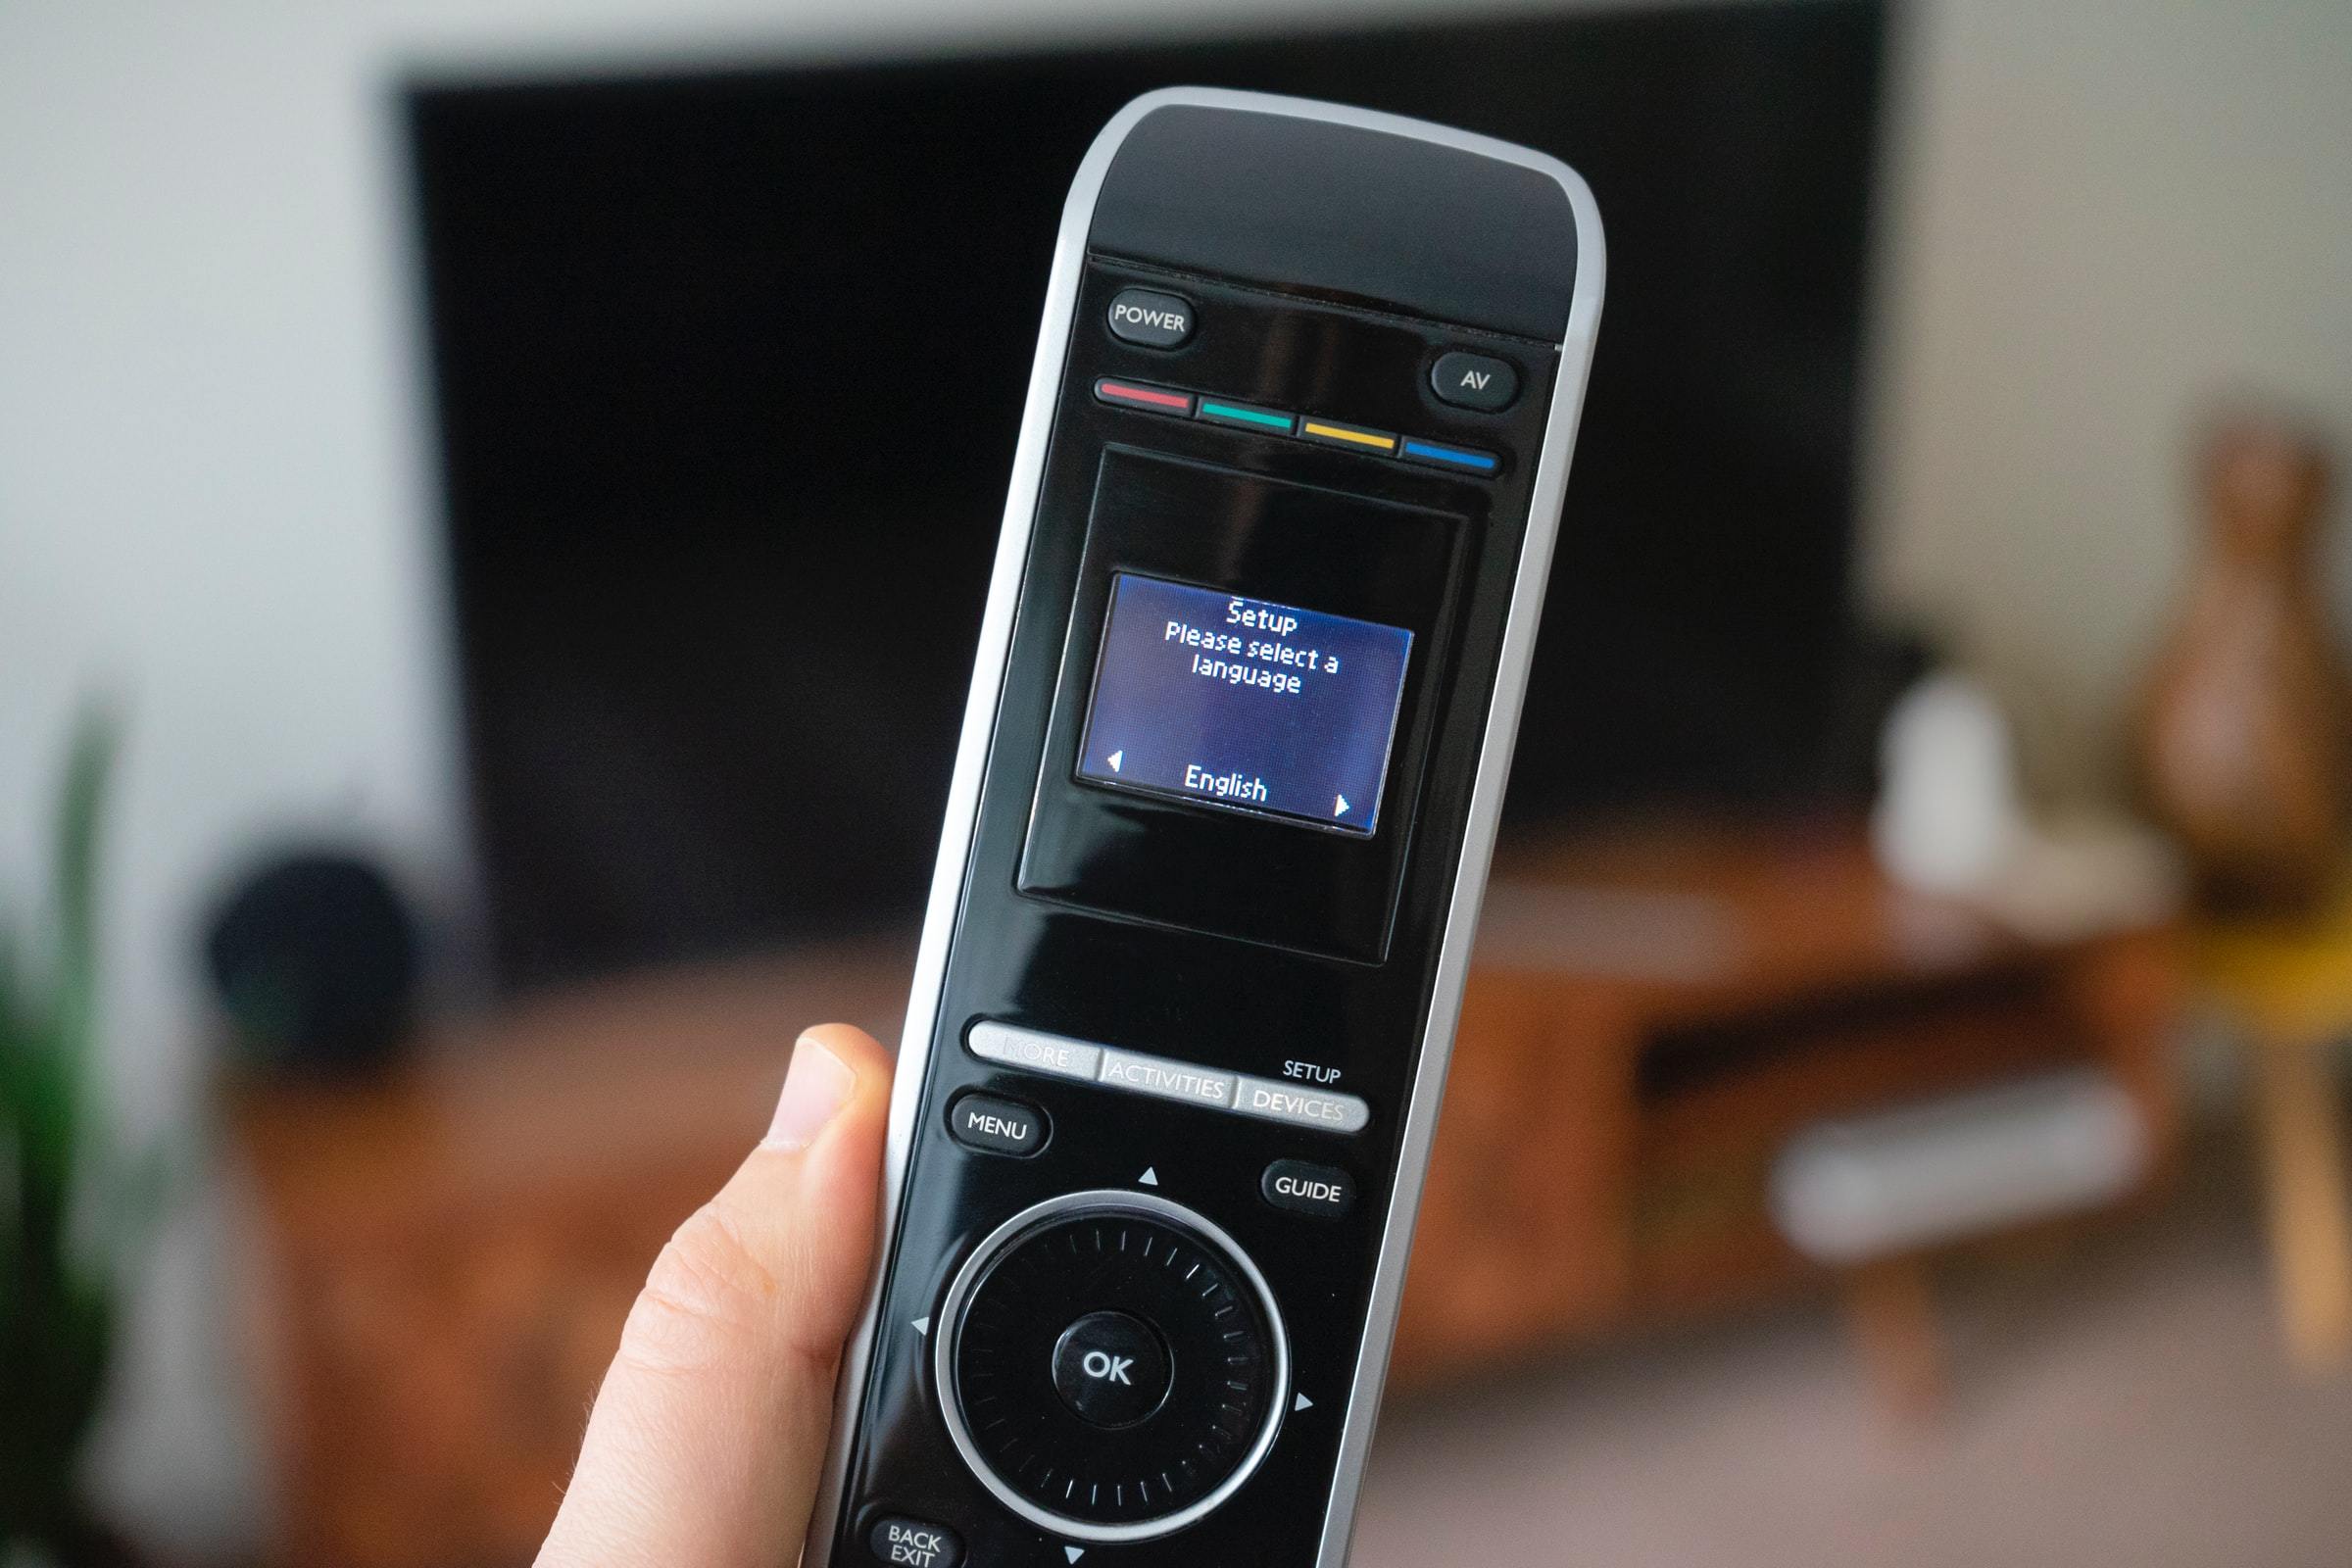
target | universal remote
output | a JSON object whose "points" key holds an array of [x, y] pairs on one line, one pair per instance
{"points": [[1249, 677]]}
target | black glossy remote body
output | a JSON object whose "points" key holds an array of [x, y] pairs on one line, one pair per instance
{"points": [[1278, 534]]}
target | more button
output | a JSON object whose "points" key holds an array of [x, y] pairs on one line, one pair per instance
{"points": [[1033, 1051]]}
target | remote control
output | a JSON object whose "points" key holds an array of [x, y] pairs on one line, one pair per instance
{"points": [[1250, 672]]}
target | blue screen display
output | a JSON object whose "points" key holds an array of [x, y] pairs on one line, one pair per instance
{"points": [[1245, 703]]}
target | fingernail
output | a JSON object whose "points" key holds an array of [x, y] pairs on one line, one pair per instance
{"points": [[816, 1086]]}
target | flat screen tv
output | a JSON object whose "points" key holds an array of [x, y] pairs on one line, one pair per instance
{"points": [[728, 364]]}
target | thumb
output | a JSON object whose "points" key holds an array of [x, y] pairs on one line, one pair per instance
{"points": [[703, 1446]]}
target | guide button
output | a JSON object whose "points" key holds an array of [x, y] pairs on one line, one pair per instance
{"points": [[1324, 1192], [1149, 318], [1474, 381], [914, 1542]]}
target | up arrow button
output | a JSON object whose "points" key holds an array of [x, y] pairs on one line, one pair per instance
{"points": [[1474, 381]]}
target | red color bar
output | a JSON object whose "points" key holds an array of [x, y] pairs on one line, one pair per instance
{"points": [[1148, 397]]}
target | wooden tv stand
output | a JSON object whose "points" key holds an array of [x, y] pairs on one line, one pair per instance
{"points": [[440, 1257]]}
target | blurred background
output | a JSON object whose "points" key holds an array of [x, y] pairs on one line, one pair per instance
{"points": [[494, 502]]}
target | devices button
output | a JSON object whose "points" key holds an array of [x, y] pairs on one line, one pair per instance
{"points": [[1111, 1369], [1301, 1108], [1324, 1192], [1032, 1050], [997, 1126], [1474, 381], [914, 1542], [1152, 319]]}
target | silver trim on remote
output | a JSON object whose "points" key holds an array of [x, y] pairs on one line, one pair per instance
{"points": [[1478, 844], [1108, 1200]]}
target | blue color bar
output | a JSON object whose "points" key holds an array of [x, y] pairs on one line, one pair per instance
{"points": [[1450, 456]]}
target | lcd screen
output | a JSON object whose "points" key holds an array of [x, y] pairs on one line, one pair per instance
{"points": [[1244, 703]]}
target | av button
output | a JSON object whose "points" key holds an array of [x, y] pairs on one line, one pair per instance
{"points": [[1150, 320], [1324, 1192], [1474, 381], [1111, 1369], [997, 1126], [913, 1542]]}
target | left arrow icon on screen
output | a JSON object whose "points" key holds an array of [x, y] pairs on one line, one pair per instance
{"points": [[1117, 757]]}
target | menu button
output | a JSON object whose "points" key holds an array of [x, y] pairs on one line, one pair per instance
{"points": [[997, 1126]]}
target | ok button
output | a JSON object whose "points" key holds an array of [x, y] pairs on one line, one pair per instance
{"points": [[1111, 1369]]}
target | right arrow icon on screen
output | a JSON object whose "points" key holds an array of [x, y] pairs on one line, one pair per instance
{"points": [[1341, 809], [1117, 757]]}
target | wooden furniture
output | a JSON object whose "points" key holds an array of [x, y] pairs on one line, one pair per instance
{"points": [[2287, 984], [440, 1260], [1652, 1014]]}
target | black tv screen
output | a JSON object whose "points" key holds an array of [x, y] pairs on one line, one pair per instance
{"points": [[729, 364]]}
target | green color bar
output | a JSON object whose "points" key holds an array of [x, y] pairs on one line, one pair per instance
{"points": [[1235, 413]]}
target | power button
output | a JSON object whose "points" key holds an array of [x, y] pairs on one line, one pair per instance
{"points": [[1149, 318]]}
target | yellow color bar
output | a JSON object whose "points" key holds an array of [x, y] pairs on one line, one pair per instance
{"points": [[1340, 432]]}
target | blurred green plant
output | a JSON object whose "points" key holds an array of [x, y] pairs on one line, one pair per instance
{"points": [[74, 1208]]}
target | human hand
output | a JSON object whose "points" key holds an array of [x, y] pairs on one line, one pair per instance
{"points": [[705, 1441]]}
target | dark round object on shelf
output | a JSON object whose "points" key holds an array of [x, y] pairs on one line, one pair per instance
{"points": [[315, 955]]}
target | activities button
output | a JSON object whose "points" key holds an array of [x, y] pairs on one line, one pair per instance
{"points": [[1152, 319], [918, 1544], [1324, 1192], [1301, 1108], [1474, 381], [1170, 1080], [997, 1126]]}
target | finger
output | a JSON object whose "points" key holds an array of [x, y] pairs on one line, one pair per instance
{"points": [[703, 1446]]}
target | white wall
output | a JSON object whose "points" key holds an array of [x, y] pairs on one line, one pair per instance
{"points": [[2108, 213], [216, 493]]}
